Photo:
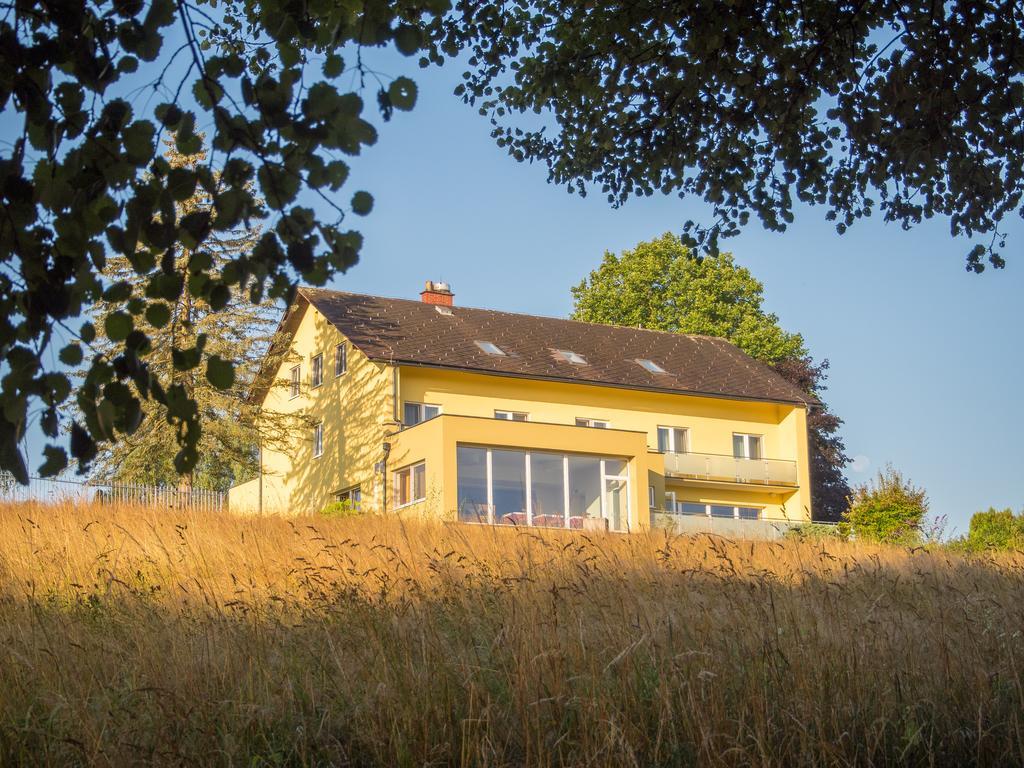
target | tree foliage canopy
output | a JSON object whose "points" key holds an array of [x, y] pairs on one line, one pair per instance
{"points": [[911, 108], [665, 286], [87, 91], [993, 530], [238, 332], [662, 285], [890, 510]]}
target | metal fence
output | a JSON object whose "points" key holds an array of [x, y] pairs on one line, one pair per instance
{"points": [[50, 490]]}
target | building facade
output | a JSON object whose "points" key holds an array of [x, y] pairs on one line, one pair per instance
{"points": [[427, 408]]}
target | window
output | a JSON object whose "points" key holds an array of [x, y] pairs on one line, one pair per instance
{"points": [[340, 359], [651, 366], [414, 413], [596, 423], [471, 468], [296, 382], [671, 505], [541, 488], [351, 496], [411, 484], [442, 310], [318, 440], [673, 440], [490, 348], [650, 496], [316, 373], [716, 510], [568, 356], [746, 446], [510, 415]]}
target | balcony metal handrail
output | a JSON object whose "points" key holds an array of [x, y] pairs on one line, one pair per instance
{"points": [[734, 469]]}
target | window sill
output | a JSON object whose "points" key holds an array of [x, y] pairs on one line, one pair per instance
{"points": [[409, 503]]}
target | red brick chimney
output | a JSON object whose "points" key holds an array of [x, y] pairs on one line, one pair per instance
{"points": [[437, 293]]}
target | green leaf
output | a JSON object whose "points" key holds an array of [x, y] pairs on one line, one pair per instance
{"points": [[407, 39], [56, 461], [138, 142], [402, 93], [118, 325], [158, 314], [334, 65], [279, 186], [219, 372], [362, 203], [181, 183], [71, 355]]}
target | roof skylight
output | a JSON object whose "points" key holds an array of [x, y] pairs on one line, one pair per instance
{"points": [[570, 357], [651, 366], [442, 310], [490, 348]]}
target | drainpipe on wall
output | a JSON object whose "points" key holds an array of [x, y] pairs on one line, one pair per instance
{"points": [[386, 448]]}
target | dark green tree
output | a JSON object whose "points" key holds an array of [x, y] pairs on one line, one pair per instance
{"points": [[665, 286], [909, 108], [87, 92]]}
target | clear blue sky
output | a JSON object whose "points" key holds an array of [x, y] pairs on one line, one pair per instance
{"points": [[926, 358]]}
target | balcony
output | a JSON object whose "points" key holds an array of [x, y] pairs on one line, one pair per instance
{"points": [[717, 470]]}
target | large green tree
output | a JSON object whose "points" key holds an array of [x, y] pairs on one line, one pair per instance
{"points": [[239, 331], [910, 108], [664, 285]]}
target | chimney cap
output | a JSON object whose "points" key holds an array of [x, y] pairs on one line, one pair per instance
{"points": [[437, 292]]}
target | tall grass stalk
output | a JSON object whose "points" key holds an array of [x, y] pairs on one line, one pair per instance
{"points": [[134, 636]]}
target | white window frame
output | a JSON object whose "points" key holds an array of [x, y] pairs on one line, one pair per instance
{"points": [[650, 496], [421, 409], [746, 445], [670, 506], [584, 421], [340, 360], [318, 440], [295, 385], [346, 495], [672, 447], [316, 365], [409, 470], [510, 415]]}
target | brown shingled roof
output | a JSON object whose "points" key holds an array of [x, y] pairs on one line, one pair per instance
{"points": [[406, 332]]}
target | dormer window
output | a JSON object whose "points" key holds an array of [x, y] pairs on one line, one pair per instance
{"points": [[651, 366], [568, 356], [490, 348]]}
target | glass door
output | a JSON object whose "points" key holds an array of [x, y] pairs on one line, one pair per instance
{"points": [[616, 493]]}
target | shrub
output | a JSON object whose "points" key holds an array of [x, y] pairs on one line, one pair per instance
{"points": [[339, 509], [994, 529], [815, 531], [889, 510]]}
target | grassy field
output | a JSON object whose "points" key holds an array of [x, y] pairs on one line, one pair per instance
{"points": [[142, 637]]}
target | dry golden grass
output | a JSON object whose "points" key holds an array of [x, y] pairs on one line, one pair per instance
{"points": [[140, 636]]}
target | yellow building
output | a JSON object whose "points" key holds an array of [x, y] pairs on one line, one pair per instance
{"points": [[424, 407]]}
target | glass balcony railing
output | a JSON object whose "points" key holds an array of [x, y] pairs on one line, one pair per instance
{"points": [[729, 469]]}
